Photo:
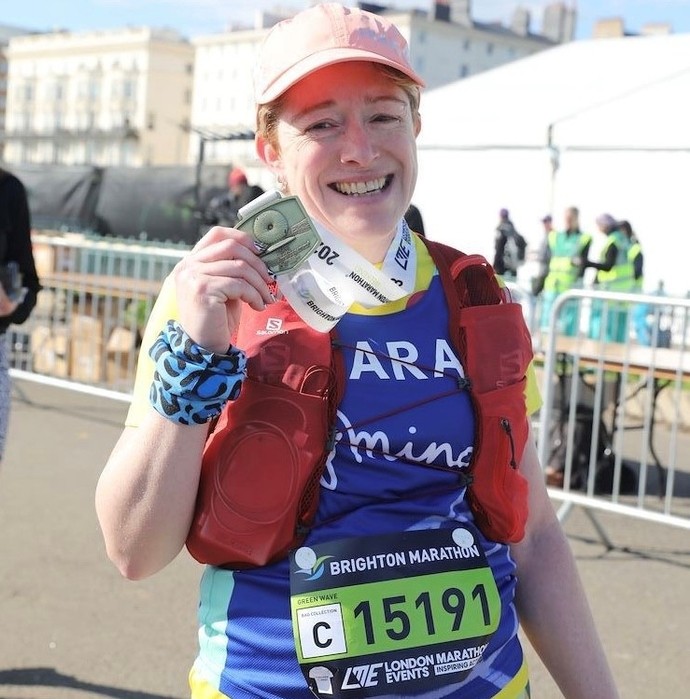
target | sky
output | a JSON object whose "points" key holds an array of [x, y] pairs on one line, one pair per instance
{"points": [[199, 17]]}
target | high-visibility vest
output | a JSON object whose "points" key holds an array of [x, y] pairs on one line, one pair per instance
{"points": [[563, 274], [621, 277], [633, 252]]}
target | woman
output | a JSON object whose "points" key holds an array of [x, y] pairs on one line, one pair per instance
{"points": [[337, 121]]}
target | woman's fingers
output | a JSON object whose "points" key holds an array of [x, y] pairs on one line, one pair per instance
{"points": [[226, 242], [220, 272]]}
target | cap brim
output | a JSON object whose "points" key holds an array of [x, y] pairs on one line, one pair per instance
{"points": [[323, 59]]}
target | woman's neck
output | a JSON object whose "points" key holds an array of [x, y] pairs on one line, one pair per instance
{"points": [[373, 251]]}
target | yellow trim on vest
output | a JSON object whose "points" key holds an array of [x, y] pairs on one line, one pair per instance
{"points": [[201, 689], [425, 273], [518, 687], [164, 309]]}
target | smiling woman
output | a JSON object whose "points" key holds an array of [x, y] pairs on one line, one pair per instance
{"points": [[369, 503]]}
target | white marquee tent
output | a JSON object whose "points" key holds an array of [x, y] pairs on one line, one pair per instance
{"points": [[601, 124]]}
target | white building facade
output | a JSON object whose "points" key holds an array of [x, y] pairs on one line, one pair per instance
{"points": [[6, 33], [118, 97], [140, 96]]}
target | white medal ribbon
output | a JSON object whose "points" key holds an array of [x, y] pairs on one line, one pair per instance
{"points": [[334, 276]]}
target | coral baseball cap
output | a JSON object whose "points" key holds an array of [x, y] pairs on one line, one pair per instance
{"points": [[321, 36]]}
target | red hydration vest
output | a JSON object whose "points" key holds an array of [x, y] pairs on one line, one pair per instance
{"points": [[259, 485]]}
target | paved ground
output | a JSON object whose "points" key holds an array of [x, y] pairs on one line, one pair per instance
{"points": [[71, 628]]}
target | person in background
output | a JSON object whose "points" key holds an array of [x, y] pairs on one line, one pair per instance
{"points": [[509, 247], [543, 256], [615, 272], [635, 254], [414, 219], [566, 251], [641, 312], [19, 283], [338, 116], [223, 209]]}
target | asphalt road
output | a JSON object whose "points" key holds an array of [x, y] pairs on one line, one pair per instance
{"points": [[72, 628]]}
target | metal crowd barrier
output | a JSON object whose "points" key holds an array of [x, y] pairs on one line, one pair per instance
{"points": [[613, 432], [85, 330], [614, 413]]}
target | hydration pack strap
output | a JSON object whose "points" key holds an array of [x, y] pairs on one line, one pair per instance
{"points": [[495, 349]]}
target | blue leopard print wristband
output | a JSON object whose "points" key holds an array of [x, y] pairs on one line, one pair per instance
{"points": [[190, 384]]}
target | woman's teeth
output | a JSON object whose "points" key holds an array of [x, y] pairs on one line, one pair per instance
{"points": [[355, 188]]}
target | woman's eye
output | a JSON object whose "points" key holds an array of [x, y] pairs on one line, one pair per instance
{"points": [[386, 118], [320, 126]]}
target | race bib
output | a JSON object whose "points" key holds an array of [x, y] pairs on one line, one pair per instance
{"points": [[400, 613]]}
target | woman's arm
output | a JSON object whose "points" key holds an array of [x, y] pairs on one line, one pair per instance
{"points": [[146, 494], [551, 601], [609, 259]]}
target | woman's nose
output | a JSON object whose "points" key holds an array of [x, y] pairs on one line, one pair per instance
{"points": [[358, 145]]}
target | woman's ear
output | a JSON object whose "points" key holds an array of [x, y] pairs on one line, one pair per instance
{"points": [[270, 156], [267, 153]]}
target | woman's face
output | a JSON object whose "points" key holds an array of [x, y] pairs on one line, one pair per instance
{"points": [[346, 147]]}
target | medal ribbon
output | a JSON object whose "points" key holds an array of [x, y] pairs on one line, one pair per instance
{"points": [[334, 276]]}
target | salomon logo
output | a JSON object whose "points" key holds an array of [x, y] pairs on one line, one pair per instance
{"points": [[274, 326]]}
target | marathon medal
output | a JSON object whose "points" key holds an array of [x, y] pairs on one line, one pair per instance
{"points": [[320, 275], [283, 233]]}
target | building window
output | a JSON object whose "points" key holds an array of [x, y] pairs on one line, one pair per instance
{"points": [[464, 70], [489, 49], [55, 92], [26, 92], [466, 45], [94, 89]]}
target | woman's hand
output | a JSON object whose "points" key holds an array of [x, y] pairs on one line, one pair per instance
{"points": [[7, 307], [219, 273]]}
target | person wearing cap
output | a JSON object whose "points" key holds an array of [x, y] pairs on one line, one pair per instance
{"points": [[565, 254], [222, 210], [337, 120], [615, 272]]}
